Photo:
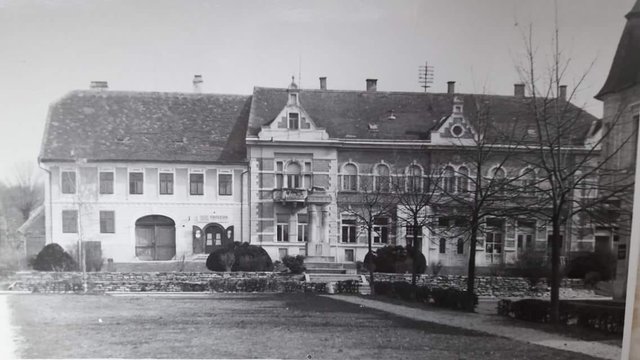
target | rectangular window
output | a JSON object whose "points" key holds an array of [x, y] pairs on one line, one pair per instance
{"points": [[303, 228], [106, 182], [107, 222], [69, 221], [349, 229], [349, 255], [68, 179], [412, 239], [166, 183], [225, 184], [136, 181], [622, 251], [381, 230], [443, 246], [282, 227], [196, 184], [293, 181], [294, 121], [460, 247]]}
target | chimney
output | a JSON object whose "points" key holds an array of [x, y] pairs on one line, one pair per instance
{"points": [[323, 83], [372, 84], [518, 90], [562, 92], [197, 83], [451, 87], [99, 85]]}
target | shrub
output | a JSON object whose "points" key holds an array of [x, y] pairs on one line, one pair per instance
{"points": [[239, 257], [53, 258], [347, 287], [453, 298], [370, 262], [443, 297], [436, 268], [532, 266], [600, 262], [397, 259], [295, 264]]}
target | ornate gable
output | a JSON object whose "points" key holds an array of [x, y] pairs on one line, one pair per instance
{"points": [[454, 128], [293, 122]]}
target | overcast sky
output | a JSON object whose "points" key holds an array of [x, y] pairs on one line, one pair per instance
{"points": [[51, 47]]}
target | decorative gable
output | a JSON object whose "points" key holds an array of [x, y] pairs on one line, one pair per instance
{"points": [[293, 122], [454, 128]]}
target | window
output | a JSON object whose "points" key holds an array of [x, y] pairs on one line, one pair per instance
{"points": [[294, 121], [499, 176], [524, 241], [443, 245], [349, 229], [106, 182], [136, 180], [412, 239], [68, 179], [282, 227], [69, 221], [460, 247], [293, 98], [349, 177], [528, 180], [303, 233], [225, 184], [449, 184], [294, 178], [381, 230], [196, 184], [349, 255], [279, 175], [414, 179], [493, 247], [107, 222], [166, 183], [622, 251], [463, 180], [457, 130]]}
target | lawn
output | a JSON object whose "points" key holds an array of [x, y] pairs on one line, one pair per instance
{"points": [[241, 326]]}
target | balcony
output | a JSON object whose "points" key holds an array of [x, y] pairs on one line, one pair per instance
{"points": [[290, 196], [295, 197]]}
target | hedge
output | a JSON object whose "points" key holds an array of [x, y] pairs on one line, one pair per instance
{"points": [[439, 296], [606, 316]]}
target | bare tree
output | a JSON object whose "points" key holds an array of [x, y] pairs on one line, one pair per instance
{"points": [[481, 188], [569, 157], [369, 204], [415, 196], [25, 190]]}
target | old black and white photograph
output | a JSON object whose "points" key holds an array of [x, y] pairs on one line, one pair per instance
{"points": [[321, 179]]}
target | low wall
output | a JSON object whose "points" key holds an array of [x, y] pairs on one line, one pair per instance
{"points": [[35, 281]]}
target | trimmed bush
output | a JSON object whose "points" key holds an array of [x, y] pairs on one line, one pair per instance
{"points": [[53, 258], [397, 259], [532, 266], [295, 264], [239, 257], [443, 297], [453, 298]]}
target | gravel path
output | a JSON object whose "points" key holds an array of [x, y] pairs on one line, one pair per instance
{"points": [[490, 324]]}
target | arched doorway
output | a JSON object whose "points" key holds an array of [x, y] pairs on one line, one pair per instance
{"points": [[155, 238], [216, 235]]}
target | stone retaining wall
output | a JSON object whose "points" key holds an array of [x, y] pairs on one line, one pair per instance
{"points": [[199, 281]]}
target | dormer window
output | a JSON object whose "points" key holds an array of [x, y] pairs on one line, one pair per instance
{"points": [[457, 108], [293, 99], [294, 120]]}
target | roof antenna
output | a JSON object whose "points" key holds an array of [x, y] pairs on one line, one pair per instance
{"points": [[299, 71], [425, 76]]}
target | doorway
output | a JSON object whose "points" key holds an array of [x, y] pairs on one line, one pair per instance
{"points": [[155, 238]]}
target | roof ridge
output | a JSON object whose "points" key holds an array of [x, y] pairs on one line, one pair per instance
{"points": [[151, 93]]}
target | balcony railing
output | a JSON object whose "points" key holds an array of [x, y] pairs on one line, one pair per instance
{"points": [[290, 195]]}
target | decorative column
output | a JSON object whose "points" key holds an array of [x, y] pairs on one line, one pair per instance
{"points": [[293, 227], [324, 228], [313, 225]]}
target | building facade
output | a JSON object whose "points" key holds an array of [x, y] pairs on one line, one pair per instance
{"points": [[159, 176]]}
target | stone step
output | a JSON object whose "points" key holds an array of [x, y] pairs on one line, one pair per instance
{"points": [[329, 265], [325, 271]]}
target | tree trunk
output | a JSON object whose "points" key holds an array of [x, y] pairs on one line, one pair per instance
{"points": [[555, 272], [414, 251], [372, 264], [471, 271]]}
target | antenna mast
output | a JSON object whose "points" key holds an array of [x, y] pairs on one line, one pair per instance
{"points": [[425, 76]]}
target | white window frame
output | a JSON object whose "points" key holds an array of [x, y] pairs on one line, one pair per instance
{"points": [[113, 181], [225, 172], [204, 181], [75, 180], [289, 120], [135, 170], [173, 181], [355, 177]]}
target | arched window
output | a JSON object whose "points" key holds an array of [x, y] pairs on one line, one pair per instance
{"points": [[294, 180], [414, 178], [463, 180], [498, 173], [499, 176], [350, 177], [449, 180], [443, 245], [381, 181]]}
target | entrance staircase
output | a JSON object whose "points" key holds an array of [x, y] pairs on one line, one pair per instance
{"points": [[328, 265]]}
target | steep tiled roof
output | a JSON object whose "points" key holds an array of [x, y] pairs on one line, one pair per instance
{"points": [[347, 114], [146, 126], [625, 69]]}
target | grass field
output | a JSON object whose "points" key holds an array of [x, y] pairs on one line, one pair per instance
{"points": [[241, 326]]}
